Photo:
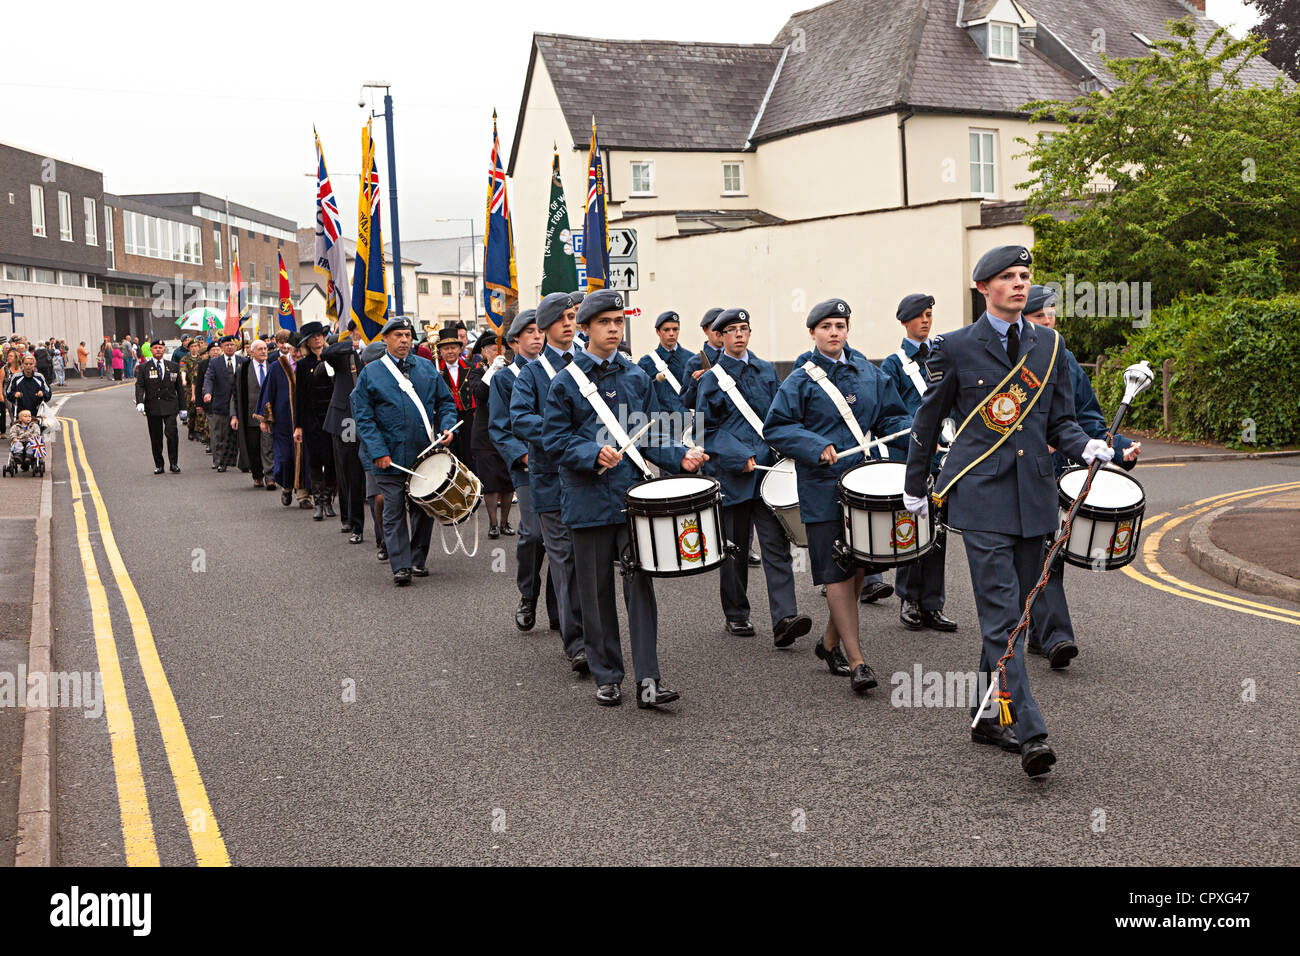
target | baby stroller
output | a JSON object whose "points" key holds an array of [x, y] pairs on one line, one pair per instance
{"points": [[27, 456]]}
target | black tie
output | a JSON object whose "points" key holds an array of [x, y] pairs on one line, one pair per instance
{"points": [[922, 353], [604, 367], [230, 364], [567, 358], [1013, 342]]}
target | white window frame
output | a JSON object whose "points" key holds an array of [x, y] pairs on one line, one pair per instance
{"points": [[38, 211], [649, 190], [990, 161], [92, 221], [1009, 50], [740, 177], [65, 216], [216, 247], [108, 237]]}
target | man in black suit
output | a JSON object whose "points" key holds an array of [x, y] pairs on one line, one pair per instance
{"points": [[218, 389], [157, 397], [257, 446], [343, 360]]}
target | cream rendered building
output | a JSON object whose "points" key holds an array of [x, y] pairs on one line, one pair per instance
{"points": [[869, 152]]}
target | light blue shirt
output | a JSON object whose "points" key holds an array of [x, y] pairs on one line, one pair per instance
{"points": [[838, 361], [1000, 327], [744, 358]]}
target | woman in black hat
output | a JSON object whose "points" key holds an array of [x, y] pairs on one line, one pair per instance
{"points": [[488, 463]]}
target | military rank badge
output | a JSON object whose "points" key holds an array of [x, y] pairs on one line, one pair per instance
{"points": [[1029, 378], [1001, 411]]}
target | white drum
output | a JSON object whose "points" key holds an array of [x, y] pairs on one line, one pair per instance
{"points": [[443, 487], [780, 492], [675, 525], [1109, 521], [878, 530]]}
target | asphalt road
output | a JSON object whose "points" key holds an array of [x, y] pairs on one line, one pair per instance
{"points": [[469, 742]]}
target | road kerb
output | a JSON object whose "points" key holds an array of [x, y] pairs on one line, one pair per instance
{"points": [[1233, 570]]}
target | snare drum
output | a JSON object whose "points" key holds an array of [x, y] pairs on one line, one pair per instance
{"points": [[675, 525], [878, 529], [780, 492], [1109, 521], [443, 487]]}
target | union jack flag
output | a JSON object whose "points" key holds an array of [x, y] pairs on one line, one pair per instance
{"points": [[38, 447], [331, 260], [500, 277], [595, 226]]}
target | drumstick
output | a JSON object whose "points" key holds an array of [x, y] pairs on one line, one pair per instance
{"points": [[871, 444], [630, 442], [393, 464]]}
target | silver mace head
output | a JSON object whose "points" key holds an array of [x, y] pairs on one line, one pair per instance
{"points": [[1137, 379]]}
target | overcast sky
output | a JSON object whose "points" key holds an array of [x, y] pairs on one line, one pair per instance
{"points": [[221, 97]]}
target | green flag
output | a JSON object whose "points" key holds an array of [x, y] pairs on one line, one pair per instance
{"points": [[559, 268]]}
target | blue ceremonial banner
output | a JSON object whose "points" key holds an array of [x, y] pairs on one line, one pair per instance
{"points": [[369, 284], [595, 228], [500, 285]]}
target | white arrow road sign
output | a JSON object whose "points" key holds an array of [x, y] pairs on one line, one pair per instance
{"points": [[622, 245]]}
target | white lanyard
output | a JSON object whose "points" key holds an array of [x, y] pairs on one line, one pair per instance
{"points": [[913, 371], [821, 378], [669, 377], [730, 389], [406, 385], [591, 393]]}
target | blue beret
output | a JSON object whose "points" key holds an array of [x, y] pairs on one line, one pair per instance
{"points": [[602, 300], [396, 324], [577, 297], [521, 322], [996, 260], [913, 305], [831, 308], [1039, 298], [373, 351], [730, 317], [552, 308], [228, 338], [667, 317], [707, 321]]}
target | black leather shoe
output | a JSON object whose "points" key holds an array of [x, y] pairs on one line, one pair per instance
{"points": [[494, 532], [991, 732], [402, 577], [221, 469], [329, 508], [652, 693], [507, 530], [420, 571], [862, 679], [835, 660], [1062, 654], [526, 614], [876, 592], [319, 513], [910, 616], [608, 695], [286, 497], [355, 538], [305, 504], [935, 621], [382, 553], [578, 663], [174, 469], [1036, 757], [270, 485], [755, 559], [740, 629], [158, 470], [789, 629]]}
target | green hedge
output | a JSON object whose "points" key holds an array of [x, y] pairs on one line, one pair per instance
{"points": [[1234, 359]]}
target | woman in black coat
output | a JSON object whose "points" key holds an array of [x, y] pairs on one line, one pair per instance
{"points": [[488, 463]]}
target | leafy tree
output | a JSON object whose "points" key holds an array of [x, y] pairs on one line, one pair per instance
{"points": [[1281, 28], [1204, 171]]}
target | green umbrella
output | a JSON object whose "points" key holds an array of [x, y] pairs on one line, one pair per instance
{"points": [[201, 320]]}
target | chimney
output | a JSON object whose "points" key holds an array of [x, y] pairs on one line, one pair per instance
{"points": [[1196, 6]]}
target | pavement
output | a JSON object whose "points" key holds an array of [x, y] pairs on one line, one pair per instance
{"points": [[333, 719], [1252, 546], [1161, 451]]}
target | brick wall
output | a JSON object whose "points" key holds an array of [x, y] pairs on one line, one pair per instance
{"points": [[19, 170]]}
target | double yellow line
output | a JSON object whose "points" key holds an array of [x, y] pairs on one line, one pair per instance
{"points": [[1164, 581], [137, 825]]}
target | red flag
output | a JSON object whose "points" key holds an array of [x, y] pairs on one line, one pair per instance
{"points": [[287, 318], [232, 300]]}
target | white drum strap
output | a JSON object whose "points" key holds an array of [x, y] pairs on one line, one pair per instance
{"points": [[669, 377], [407, 386], [912, 371], [732, 391], [836, 396], [591, 393], [550, 370]]}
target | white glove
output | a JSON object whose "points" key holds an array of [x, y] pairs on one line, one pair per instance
{"points": [[1097, 448], [140, 408], [499, 363], [918, 506]]}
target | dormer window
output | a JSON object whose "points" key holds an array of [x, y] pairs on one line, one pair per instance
{"points": [[1004, 44]]}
